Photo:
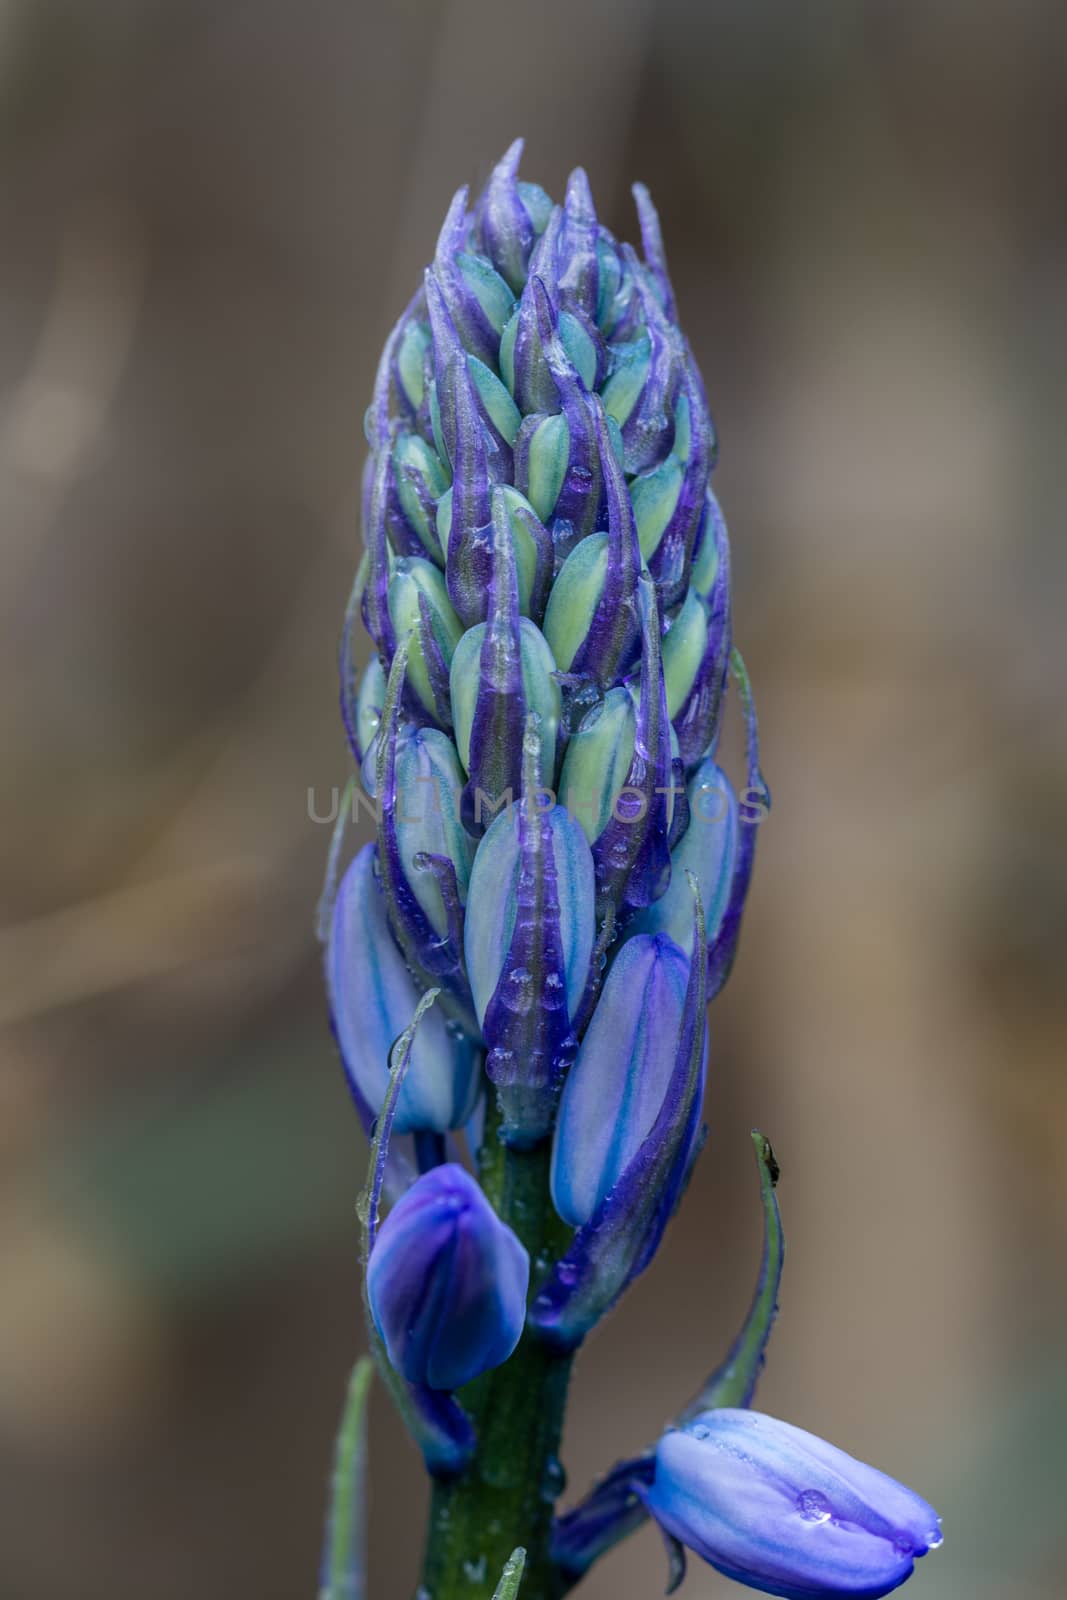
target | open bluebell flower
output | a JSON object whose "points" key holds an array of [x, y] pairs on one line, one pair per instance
{"points": [[447, 1282], [373, 998], [785, 1512]]}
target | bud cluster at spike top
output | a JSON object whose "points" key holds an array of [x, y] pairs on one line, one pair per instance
{"points": [[546, 582], [560, 858]]}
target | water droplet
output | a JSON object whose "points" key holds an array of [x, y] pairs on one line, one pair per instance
{"points": [[567, 1273], [520, 991], [934, 1539], [700, 1432], [814, 1507]]}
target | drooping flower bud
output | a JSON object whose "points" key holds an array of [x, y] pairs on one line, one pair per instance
{"points": [[447, 1282], [618, 1082], [784, 1512], [372, 1000], [623, 1233]]}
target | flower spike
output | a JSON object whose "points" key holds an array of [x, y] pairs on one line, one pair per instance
{"points": [[562, 861]]}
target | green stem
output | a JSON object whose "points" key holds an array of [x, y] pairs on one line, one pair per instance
{"points": [[506, 1496]]}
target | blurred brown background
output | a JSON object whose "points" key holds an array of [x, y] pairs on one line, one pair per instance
{"points": [[210, 215]]}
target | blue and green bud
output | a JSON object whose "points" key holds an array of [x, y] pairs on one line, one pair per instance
{"points": [[372, 1001], [446, 1282], [617, 1085]]}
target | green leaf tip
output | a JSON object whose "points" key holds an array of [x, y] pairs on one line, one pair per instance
{"points": [[344, 1556], [511, 1577]]}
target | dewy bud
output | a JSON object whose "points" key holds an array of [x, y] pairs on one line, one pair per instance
{"points": [[783, 1511], [373, 999], [369, 702], [540, 693], [707, 849], [429, 781], [419, 605], [421, 480], [616, 1087], [447, 1282], [597, 762], [528, 939]]}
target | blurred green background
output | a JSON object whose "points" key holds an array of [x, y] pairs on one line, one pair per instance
{"points": [[209, 216]]}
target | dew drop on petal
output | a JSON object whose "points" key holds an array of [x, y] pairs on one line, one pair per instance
{"points": [[813, 1506]]}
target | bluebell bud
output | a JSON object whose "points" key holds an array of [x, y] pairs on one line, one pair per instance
{"points": [[429, 782], [708, 849], [373, 999], [617, 1084], [529, 938], [597, 761], [783, 1511], [447, 1282], [419, 605], [421, 480], [369, 702]]}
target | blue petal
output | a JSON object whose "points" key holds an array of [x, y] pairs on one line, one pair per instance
{"points": [[618, 1082], [493, 903], [708, 849], [372, 1000]]}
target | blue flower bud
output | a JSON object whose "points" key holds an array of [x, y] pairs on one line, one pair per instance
{"points": [[592, 618], [369, 702], [429, 781], [421, 480], [447, 1282], [597, 762], [652, 244], [621, 1237], [537, 691], [617, 1084], [372, 1001], [474, 327], [684, 646], [419, 605], [578, 260], [699, 716], [707, 849], [507, 228], [783, 1511], [528, 938], [648, 427]]}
